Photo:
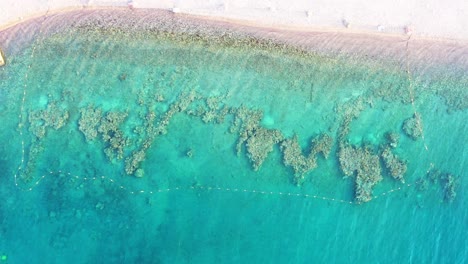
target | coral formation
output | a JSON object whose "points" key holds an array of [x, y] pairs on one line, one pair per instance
{"points": [[434, 175], [181, 104], [361, 162], [259, 141], [35, 149], [350, 111], [447, 181], [92, 122], [259, 144], [244, 120], [365, 164], [52, 116], [450, 184], [112, 135], [393, 139], [39, 120], [422, 184], [322, 144], [300, 163], [133, 161], [89, 121], [215, 111], [413, 126], [293, 157], [394, 165]]}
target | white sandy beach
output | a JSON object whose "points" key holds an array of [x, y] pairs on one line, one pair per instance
{"points": [[424, 18]]}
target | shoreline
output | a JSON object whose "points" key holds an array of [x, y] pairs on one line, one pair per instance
{"points": [[422, 56], [385, 17], [237, 21]]}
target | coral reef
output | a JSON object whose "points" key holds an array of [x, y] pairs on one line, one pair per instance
{"points": [[244, 120], [413, 126], [35, 149], [215, 111], [133, 161], [293, 157], [447, 181], [259, 141], [422, 184], [52, 116], [89, 121], [349, 111], [454, 93], [394, 165], [365, 164], [392, 138], [181, 104], [450, 184], [394, 91], [112, 135], [92, 122], [300, 163], [361, 162], [39, 121], [322, 144], [434, 175]]}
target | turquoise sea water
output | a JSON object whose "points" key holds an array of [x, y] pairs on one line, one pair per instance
{"points": [[157, 147]]}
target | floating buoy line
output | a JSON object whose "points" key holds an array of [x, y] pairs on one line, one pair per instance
{"points": [[206, 188]]}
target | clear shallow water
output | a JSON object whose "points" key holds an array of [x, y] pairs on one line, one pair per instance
{"points": [[200, 199]]}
